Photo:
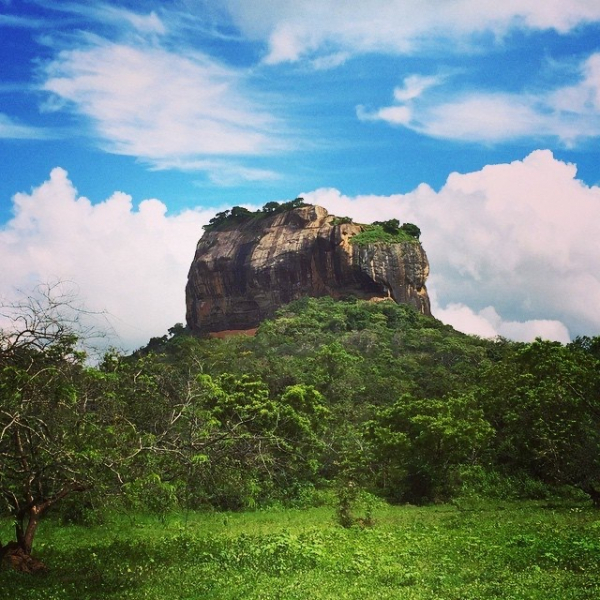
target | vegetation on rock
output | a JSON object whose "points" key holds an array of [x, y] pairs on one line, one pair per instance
{"points": [[389, 232], [239, 214]]}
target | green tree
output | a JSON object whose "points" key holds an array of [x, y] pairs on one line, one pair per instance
{"points": [[411, 229], [53, 430], [271, 207], [418, 445], [543, 399]]}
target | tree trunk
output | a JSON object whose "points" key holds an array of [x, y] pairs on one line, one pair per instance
{"points": [[26, 534], [17, 555], [13, 556], [595, 496]]}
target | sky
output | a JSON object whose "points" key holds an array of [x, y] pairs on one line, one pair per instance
{"points": [[124, 126]]}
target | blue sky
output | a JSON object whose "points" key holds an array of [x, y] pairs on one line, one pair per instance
{"points": [[123, 124]]}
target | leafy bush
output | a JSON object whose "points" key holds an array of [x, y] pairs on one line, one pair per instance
{"points": [[239, 214], [354, 505], [411, 229], [341, 220], [378, 233], [151, 494]]}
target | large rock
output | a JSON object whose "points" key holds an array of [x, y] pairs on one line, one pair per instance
{"points": [[241, 274]]}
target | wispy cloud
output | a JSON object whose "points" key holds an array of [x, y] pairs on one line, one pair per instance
{"points": [[149, 23], [569, 113], [414, 86], [21, 22], [11, 129], [219, 172], [305, 28], [101, 12], [163, 107]]}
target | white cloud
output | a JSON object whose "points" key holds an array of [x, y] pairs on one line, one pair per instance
{"points": [[414, 86], [570, 113], [583, 97], [149, 23], [514, 249], [521, 238], [10, 129], [105, 13], [488, 323], [394, 115], [483, 118], [329, 61], [300, 29], [130, 262], [220, 172], [21, 22], [160, 106]]}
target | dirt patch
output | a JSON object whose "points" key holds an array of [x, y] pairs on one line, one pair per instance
{"points": [[230, 332]]}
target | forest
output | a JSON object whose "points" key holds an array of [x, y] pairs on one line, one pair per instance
{"points": [[352, 405]]}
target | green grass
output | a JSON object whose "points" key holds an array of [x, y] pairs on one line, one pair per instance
{"points": [[373, 234], [518, 551]]}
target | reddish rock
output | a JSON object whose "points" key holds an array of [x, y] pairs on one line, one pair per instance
{"points": [[242, 273]]}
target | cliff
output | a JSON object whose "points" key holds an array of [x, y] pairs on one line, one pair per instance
{"points": [[243, 272]]}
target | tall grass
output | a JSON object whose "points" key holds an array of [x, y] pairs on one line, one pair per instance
{"points": [[476, 551]]}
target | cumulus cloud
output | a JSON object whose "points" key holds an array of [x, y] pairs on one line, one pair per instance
{"points": [[130, 262], [514, 248], [160, 106], [303, 28], [488, 323], [569, 113]]}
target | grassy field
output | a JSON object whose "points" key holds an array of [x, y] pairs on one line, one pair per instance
{"points": [[510, 551]]}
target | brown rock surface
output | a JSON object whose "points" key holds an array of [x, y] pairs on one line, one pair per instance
{"points": [[241, 274]]}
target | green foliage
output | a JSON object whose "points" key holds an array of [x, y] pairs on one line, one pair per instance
{"points": [[393, 228], [239, 214], [382, 233], [543, 400], [341, 220], [151, 494], [354, 505], [419, 445], [326, 393], [411, 229], [56, 438]]}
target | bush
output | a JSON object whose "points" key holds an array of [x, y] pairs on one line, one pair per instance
{"points": [[377, 233], [354, 505], [411, 230]]}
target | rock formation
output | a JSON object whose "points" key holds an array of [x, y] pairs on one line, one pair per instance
{"points": [[243, 272]]}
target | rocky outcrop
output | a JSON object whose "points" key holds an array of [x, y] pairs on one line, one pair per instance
{"points": [[242, 273]]}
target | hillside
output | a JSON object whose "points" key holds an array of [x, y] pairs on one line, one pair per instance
{"points": [[345, 397]]}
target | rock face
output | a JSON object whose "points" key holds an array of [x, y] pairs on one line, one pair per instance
{"points": [[241, 274]]}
